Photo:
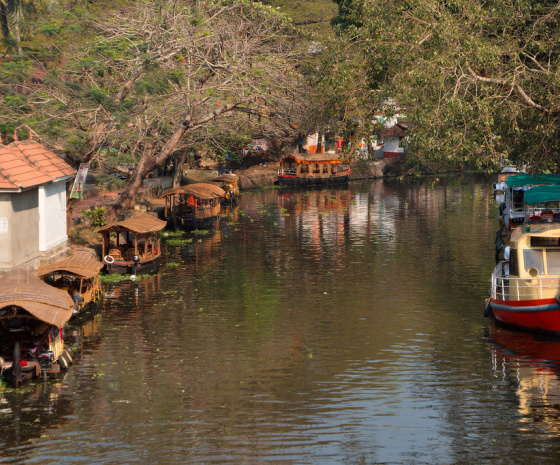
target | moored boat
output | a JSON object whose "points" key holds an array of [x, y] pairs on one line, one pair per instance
{"points": [[525, 286], [32, 315], [132, 245], [229, 183], [312, 168], [78, 275], [193, 206]]}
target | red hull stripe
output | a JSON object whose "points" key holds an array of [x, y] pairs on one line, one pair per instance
{"points": [[528, 306]]}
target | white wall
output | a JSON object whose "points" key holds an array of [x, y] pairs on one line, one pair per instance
{"points": [[391, 144], [52, 215]]}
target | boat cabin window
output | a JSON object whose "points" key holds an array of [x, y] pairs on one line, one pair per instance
{"points": [[544, 241], [553, 261], [533, 259]]}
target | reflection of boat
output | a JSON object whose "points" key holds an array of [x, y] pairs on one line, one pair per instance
{"points": [[192, 206], [229, 183], [132, 245], [77, 274], [529, 364], [525, 286], [312, 168], [32, 315]]}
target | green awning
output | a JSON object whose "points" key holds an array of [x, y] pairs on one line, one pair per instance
{"points": [[532, 180], [540, 194]]}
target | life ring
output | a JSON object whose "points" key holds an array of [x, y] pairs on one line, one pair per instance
{"points": [[108, 259], [63, 362], [558, 298], [67, 357]]}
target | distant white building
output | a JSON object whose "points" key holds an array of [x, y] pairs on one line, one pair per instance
{"points": [[32, 204]]}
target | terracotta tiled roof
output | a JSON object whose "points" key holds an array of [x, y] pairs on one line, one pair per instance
{"points": [[393, 131], [27, 163], [39, 156]]}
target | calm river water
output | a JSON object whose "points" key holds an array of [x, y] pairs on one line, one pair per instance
{"points": [[321, 326]]}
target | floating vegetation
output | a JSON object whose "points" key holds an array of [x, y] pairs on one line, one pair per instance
{"points": [[170, 234], [179, 241], [231, 223], [117, 278], [201, 232], [172, 264], [262, 212]]}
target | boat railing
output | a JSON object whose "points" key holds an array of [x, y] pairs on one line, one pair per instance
{"points": [[505, 287], [286, 172]]}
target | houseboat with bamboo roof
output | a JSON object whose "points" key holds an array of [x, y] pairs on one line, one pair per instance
{"points": [[132, 245], [32, 315], [312, 168], [193, 206], [229, 183], [78, 275], [525, 290]]}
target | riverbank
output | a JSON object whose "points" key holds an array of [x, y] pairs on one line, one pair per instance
{"points": [[82, 233]]}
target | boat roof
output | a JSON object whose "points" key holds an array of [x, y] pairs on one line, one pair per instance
{"points": [[532, 180], [229, 178], [141, 223], [539, 229], [202, 190], [82, 263], [23, 289], [312, 157], [539, 194]]}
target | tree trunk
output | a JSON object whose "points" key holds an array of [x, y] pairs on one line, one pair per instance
{"points": [[179, 165]]}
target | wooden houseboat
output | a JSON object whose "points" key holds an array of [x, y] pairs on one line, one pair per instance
{"points": [[132, 245], [32, 315], [229, 183], [193, 206], [312, 168], [78, 275], [525, 290]]}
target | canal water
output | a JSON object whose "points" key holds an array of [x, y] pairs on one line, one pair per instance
{"points": [[339, 325]]}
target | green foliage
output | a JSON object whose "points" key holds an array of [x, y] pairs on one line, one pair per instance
{"points": [[467, 74], [97, 216], [117, 278]]}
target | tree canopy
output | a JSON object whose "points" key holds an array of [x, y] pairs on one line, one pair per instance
{"points": [[478, 79], [152, 77]]}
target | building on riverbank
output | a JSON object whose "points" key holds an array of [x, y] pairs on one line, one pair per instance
{"points": [[32, 204]]}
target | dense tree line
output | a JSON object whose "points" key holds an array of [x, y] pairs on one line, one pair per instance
{"points": [[153, 78], [478, 79]]}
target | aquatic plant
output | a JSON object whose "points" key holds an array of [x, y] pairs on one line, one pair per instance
{"points": [[172, 264], [166, 234], [200, 232], [179, 241], [117, 278]]}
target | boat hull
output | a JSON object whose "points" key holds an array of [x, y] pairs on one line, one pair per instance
{"points": [[539, 315], [128, 267]]}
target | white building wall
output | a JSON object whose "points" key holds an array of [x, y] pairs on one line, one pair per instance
{"points": [[52, 215], [391, 144]]}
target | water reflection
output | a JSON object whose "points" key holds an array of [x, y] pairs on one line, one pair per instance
{"points": [[314, 326], [531, 365]]}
